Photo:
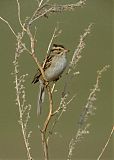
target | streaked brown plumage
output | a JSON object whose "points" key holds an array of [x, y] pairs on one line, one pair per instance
{"points": [[54, 66]]}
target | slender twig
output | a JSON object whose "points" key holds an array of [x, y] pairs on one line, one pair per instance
{"points": [[18, 81], [63, 105], [20, 100], [50, 109], [12, 30], [32, 42], [89, 107], [46, 9], [55, 34], [59, 112], [39, 8], [78, 51], [105, 146], [45, 145], [46, 123], [32, 53], [88, 110], [19, 13], [53, 87], [40, 3]]}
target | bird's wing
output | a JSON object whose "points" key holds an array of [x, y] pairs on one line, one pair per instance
{"points": [[36, 77], [46, 65], [48, 61]]}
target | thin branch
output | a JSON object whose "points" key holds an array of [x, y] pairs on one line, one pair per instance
{"points": [[20, 92], [40, 3], [53, 87], [12, 30], [32, 42], [19, 13], [17, 36], [50, 109], [32, 53], [88, 110], [20, 99], [59, 112], [55, 34], [63, 105], [46, 123], [33, 17], [45, 145], [89, 107], [78, 51], [105, 146], [47, 9]]}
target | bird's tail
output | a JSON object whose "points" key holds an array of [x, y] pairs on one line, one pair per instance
{"points": [[40, 97]]}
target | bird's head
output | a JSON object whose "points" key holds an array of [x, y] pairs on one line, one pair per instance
{"points": [[58, 49]]}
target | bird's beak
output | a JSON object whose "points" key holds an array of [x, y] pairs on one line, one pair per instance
{"points": [[67, 50]]}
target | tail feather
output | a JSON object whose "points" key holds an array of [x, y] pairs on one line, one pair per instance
{"points": [[40, 98]]}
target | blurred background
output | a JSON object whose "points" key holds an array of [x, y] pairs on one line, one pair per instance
{"points": [[97, 53]]}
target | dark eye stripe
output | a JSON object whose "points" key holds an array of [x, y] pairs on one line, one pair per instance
{"points": [[56, 49], [53, 50]]}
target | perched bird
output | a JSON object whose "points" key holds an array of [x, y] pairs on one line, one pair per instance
{"points": [[55, 64]]}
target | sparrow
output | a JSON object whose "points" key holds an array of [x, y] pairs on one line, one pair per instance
{"points": [[53, 66]]}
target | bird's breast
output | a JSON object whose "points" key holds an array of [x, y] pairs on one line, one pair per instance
{"points": [[56, 68]]}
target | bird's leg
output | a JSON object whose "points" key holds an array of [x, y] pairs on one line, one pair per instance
{"points": [[46, 83]]}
